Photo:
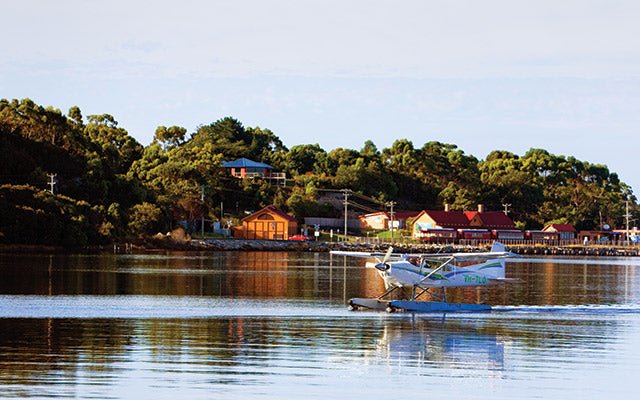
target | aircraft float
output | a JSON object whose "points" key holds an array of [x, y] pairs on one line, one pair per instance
{"points": [[431, 274]]}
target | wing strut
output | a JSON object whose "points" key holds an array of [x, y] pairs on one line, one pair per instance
{"points": [[444, 264]]}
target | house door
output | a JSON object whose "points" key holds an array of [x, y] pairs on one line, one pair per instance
{"points": [[258, 230]]}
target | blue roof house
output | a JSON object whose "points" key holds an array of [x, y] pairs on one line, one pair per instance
{"points": [[245, 168]]}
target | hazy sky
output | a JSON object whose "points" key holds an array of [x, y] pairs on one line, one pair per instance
{"points": [[482, 74]]}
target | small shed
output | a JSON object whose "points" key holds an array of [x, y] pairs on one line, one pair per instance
{"points": [[565, 231], [270, 223]]}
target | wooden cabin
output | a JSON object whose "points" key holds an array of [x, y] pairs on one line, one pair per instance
{"points": [[270, 223]]}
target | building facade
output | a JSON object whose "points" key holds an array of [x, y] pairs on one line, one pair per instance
{"points": [[270, 223], [565, 231]]}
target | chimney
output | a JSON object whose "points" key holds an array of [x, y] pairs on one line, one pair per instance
{"points": [[480, 208], [446, 207]]}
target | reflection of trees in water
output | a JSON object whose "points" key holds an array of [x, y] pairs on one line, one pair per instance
{"points": [[293, 275], [38, 353], [567, 284], [34, 350]]}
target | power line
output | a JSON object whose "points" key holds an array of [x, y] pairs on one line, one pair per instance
{"points": [[365, 208]]}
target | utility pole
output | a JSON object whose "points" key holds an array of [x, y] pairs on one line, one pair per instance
{"points": [[626, 214], [202, 218], [391, 215], [221, 213], [600, 214], [52, 182], [346, 193], [506, 208]]}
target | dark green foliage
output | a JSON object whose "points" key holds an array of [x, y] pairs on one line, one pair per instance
{"points": [[29, 215], [144, 219], [109, 186], [89, 162], [306, 158]]}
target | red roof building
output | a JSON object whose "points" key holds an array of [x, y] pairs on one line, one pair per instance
{"points": [[489, 220], [436, 219], [565, 231]]}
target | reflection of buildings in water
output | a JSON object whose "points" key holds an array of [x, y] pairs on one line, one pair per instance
{"points": [[258, 274], [549, 277], [371, 284], [440, 344]]}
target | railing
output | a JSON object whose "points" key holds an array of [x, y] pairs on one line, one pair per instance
{"points": [[280, 178]]}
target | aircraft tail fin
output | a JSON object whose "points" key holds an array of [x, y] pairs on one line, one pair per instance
{"points": [[498, 247]]}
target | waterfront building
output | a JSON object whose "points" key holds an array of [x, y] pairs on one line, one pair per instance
{"points": [[439, 223], [565, 231], [270, 223]]}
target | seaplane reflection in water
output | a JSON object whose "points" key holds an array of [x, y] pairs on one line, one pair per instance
{"points": [[440, 343], [430, 275]]}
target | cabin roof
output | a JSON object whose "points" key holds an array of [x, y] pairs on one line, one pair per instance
{"points": [[271, 210], [245, 163]]}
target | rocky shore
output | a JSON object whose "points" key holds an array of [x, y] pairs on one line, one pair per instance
{"points": [[313, 246], [167, 244]]}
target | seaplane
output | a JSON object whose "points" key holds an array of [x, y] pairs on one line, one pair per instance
{"points": [[430, 275]]}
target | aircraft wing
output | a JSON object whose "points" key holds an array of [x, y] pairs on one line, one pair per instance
{"points": [[429, 256], [498, 251], [466, 256], [363, 254]]}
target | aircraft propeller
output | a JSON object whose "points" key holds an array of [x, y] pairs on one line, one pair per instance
{"points": [[383, 266]]}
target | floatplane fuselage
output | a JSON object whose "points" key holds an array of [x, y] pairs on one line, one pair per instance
{"points": [[431, 274], [407, 274]]}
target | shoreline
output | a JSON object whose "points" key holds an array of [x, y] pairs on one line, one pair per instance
{"points": [[165, 245]]}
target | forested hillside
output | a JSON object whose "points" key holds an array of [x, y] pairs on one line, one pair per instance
{"points": [[109, 186]]}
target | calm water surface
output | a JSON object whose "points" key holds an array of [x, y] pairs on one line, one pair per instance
{"points": [[275, 326]]}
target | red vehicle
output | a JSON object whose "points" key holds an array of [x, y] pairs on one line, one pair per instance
{"points": [[299, 237]]}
